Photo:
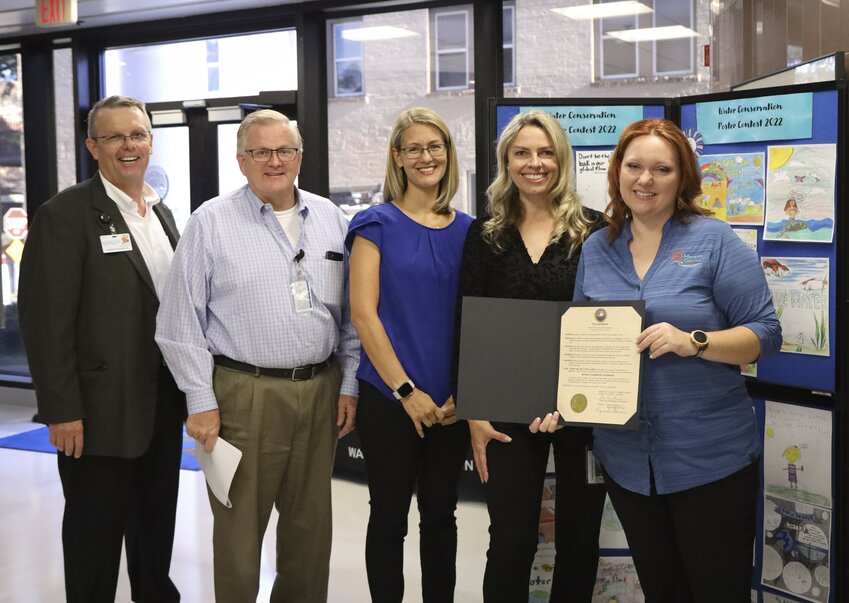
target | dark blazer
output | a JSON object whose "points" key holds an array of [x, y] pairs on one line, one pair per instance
{"points": [[88, 318]]}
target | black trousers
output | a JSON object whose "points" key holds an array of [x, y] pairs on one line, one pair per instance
{"points": [[693, 546], [513, 497], [110, 499], [399, 461]]}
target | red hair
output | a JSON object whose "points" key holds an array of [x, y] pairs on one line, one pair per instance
{"points": [[689, 186]]}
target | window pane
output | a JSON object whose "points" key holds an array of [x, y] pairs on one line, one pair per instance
{"points": [[12, 198], [508, 67], [151, 74], [672, 12], [346, 49], [349, 77], [451, 31], [618, 58], [63, 95], [507, 29], [400, 72], [452, 71], [674, 56], [168, 171]]}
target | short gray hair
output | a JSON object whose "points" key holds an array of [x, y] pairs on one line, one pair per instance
{"points": [[264, 117], [114, 102]]}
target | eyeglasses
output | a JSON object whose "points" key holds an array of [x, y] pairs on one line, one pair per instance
{"points": [[434, 150], [264, 155], [114, 140]]}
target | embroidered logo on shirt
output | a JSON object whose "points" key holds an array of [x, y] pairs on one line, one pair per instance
{"points": [[682, 258]]}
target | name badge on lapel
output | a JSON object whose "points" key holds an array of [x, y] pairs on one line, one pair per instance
{"points": [[116, 243]]}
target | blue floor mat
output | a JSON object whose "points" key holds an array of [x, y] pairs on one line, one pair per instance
{"points": [[38, 440]]}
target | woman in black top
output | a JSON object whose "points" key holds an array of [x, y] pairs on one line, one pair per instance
{"points": [[528, 248]]}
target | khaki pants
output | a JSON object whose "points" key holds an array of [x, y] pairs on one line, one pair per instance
{"points": [[287, 433]]}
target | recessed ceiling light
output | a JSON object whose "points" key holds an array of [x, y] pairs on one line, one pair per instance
{"points": [[599, 11], [378, 32], [654, 33]]}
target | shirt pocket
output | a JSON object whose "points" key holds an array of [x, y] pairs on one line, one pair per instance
{"points": [[329, 282]]}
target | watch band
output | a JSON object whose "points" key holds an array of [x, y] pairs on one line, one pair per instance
{"points": [[404, 390]]}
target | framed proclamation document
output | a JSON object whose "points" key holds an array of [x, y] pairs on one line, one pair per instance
{"points": [[521, 359]]}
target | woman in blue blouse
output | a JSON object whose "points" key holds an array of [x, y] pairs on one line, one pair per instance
{"points": [[405, 261], [685, 483]]}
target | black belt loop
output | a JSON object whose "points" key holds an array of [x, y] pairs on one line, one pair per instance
{"points": [[301, 373]]}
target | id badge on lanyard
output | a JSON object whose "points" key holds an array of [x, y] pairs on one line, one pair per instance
{"points": [[301, 292]]}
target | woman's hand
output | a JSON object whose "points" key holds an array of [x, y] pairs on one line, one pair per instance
{"points": [[482, 432], [662, 338], [450, 411], [422, 410], [548, 424]]}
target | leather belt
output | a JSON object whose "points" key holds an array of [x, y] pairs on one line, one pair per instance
{"points": [[301, 373]]}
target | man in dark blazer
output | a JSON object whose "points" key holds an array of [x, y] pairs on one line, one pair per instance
{"points": [[88, 300]]}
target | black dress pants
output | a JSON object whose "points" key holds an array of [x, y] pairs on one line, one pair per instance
{"points": [[513, 498], [398, 461], [693, 546], [109, 500]]}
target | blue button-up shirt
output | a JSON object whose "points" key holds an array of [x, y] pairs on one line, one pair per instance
{"points": [[696, 420], [229, 292]]}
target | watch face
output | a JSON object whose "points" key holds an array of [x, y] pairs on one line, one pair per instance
{"points": [[700, 337], [405, 389]]}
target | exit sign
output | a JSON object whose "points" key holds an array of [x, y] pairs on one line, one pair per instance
{"points": [[50, 13]]}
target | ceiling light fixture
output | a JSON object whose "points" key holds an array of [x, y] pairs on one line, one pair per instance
{"points": [[649, 34], [378, 32], [600, 11]]}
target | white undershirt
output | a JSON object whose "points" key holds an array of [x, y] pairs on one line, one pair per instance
{"points": [[291, 223], [147, 231]]}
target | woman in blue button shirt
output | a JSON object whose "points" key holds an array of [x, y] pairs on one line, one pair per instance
{"points": [[405, 262], [685, 483]]}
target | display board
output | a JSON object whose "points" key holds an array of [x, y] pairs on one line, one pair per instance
{"points": [[593, 127], [769, 168]]}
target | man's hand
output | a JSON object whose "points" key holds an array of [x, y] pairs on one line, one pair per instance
{"points": [[346, 415], [67, 437], [204, 427]]}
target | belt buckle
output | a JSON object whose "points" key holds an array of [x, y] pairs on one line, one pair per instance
{"points": [[311, 369]]}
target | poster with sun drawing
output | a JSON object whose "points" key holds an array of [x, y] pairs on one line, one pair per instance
{"points": [[800, 193], [797, 453], [797, 500], [799, 289], [733, 187]]}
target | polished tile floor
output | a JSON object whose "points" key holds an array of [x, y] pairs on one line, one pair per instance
{"points": [[31, 555]]}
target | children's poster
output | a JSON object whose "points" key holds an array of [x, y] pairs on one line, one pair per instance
{"points": [[796, 548], [749, 236], [799, 289], [797, 453], [617, 581], [611, 535], [797, 500], [733, 187], [800, 193], [542, 570], [591, 178]]}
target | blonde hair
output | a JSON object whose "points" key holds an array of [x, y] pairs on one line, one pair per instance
{"points": [[264, 117], [505, 208], [395, 183]]}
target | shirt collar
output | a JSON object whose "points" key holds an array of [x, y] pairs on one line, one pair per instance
{"points": [[124, 201], [300, 201]]}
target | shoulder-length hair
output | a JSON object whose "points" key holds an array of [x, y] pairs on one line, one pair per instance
{"points": [[689, 185], [505, 207], [395, 183]]}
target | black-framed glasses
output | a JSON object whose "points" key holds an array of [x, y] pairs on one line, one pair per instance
{"points": [[114, 140], [264, 155], [415, 151]]}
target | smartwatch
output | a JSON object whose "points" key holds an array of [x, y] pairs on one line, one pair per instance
{"points": [[404, 390], [700, 341]]}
